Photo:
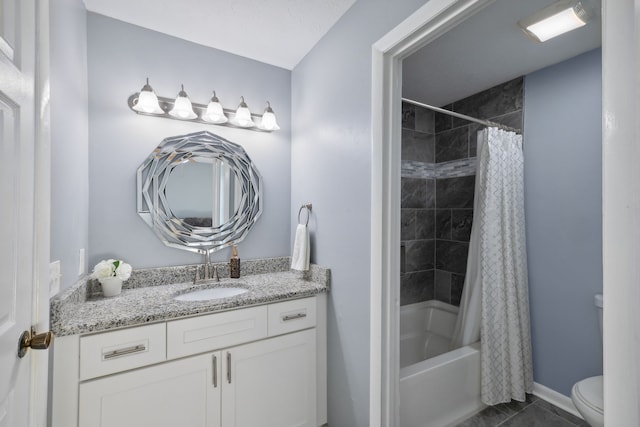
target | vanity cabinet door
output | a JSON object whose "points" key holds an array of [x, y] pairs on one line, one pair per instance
{"points": [[271, 383], [185, 392]]}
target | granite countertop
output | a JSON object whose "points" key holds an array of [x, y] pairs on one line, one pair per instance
{"points": [[148, 296]]}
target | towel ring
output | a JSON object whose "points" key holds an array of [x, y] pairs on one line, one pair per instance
{"points": [[306, 206]]}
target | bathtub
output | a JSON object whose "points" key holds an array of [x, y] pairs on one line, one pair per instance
{"points": [[438, 387]]}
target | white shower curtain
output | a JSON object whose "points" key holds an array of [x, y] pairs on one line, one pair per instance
{"points": [[495, 300]]}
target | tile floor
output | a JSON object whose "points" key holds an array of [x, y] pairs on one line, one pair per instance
{"points": [[534, 412]]}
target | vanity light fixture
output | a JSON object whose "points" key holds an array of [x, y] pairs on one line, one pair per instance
{"points": [[182, 107], [555, 19], [148, 101], [269, 119], [215, 112], [243, 115]]}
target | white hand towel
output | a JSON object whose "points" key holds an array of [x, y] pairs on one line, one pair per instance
{"points": [[300, 255]]}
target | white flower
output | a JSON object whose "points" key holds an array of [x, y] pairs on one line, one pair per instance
{"points": [[123, 271], [111, 268], [103, 269]]}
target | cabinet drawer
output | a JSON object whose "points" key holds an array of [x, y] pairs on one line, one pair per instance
{"points": [[292, 316], [215, 331], [109, 352]]}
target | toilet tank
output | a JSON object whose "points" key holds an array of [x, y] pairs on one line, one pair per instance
{"points": [[599, 302]]}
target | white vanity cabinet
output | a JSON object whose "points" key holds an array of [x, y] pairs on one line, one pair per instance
{"points": [[271, 382], [258, 366], [172, 394]]}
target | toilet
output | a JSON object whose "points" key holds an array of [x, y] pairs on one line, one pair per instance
{"points": [[587, 395]]}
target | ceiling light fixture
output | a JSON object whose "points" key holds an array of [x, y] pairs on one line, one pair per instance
{"points": [[269, 119], [147, 101], [243, 115], [182, 108], [555, 19]]}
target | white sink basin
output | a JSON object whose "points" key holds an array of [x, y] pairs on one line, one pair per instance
{"points": [[210, 294]]}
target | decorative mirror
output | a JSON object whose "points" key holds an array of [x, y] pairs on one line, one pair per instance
{"points": [[199, 192]]}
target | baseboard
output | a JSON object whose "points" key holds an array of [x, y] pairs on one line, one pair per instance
{"points": [[555, 398]]}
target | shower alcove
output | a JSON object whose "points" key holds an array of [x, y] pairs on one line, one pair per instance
{"points": [[438, 386]]}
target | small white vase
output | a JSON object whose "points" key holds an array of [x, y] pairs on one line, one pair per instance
{"points": [[111, 286]]}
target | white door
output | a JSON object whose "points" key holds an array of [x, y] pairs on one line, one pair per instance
{"points": [[271, 383], [21, 403]]}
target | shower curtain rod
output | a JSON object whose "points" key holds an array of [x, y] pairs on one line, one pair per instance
{"points": [[462, 116]]}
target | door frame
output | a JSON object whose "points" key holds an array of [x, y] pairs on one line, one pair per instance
{"points": [[621, 202], [42, 224], [621, 210], [429, 22]]}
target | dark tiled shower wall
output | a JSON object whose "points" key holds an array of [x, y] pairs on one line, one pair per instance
{"points": [[456, 139], [437, 212], [417, 208], [501, 103], [454, 215]]}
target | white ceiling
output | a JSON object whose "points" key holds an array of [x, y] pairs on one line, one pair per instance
{"points": [[487, 49], [278, 32]]}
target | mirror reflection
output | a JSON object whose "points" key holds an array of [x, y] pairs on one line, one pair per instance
{"points": [[203, 192]]}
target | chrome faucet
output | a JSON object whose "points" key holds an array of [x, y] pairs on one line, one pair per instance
{"points": [[210, 270], [207, 265]]}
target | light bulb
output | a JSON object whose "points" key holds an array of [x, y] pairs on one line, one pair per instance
{"points": [[215, 112], [147, 101], [182, 108], [269, 119], [243, 116]]}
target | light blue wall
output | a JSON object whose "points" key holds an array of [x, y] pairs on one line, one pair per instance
{"points": [[331, 167], [563, 206], [69, 136], [120, 57]]}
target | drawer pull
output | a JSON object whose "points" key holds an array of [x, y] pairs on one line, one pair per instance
{"points": [[228, 367], [124, 351], [215, 371], [293, 316]]}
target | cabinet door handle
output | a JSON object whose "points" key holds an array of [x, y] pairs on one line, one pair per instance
{"points": [[228, 367], [215, 371], [293, 316], [124, 351]]}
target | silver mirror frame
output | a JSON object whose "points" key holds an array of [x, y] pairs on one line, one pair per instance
{"points": [[153, 208]]}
